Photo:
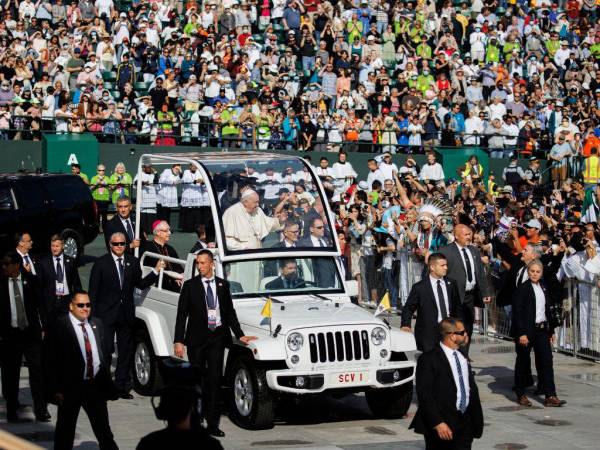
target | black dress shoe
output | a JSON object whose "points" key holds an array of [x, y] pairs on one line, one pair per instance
{"points": [[216, 432], [14, 418], [125, 395], [43, 416]]}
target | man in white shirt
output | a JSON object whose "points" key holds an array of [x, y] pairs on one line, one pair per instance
{"points": [[387, 167], [432, 172], [194, 196], [344, 175], [24, 244], [449, 413], [167, 191], [20, 336], [375, 173]]}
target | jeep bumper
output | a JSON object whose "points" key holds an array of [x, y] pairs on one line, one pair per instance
{"points": [[309, 381]]}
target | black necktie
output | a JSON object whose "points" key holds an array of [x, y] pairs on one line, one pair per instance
{"points": [[121, 271], [321, 243], [27, 260], [468, 264], [210, 296], [440, 291], [59, 271], [129, 229]]}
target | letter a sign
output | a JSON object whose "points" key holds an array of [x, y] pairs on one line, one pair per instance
{"points": [[72, 159]]}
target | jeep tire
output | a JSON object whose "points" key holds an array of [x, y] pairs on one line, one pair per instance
{"points": [[146, 375], [251, 403], [390, 403]]}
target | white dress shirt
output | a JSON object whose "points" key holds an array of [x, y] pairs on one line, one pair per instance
{"points": [[522, 276], [92, 338], [26, 255], [11, 294], [433, 172], [213, 287], [64, 270], [116, 260], [468, 286], [540, 303], [317, 241], [437, 299], [464, 366]]}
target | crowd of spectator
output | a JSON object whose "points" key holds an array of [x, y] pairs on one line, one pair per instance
{"points": [[380, 75]]}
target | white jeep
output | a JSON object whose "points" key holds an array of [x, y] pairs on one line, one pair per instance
{"points": [[316, 340]]}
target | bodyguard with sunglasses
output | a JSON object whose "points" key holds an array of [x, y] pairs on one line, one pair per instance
{"points": [[77, 373], [112, 282], [449, 414]]}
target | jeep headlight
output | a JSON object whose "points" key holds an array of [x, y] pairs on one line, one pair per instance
{"points": [[295, 341], [378, 336]]}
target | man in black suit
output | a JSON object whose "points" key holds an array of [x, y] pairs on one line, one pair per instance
{"points": [[288, 279], [58, 278], [21, 325], [24, 243], [78, 374], [122, 222], [323, 269], [449, 413], [532, 329], [466, 268], [205, 316], [434, 298], [291, 233], [113, 279]]}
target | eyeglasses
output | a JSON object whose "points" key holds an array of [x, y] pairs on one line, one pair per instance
{"points": [[168, 230], [83, 305], [458, 333], [293, 231], [118, 244], [101, 170], [319, 228]]}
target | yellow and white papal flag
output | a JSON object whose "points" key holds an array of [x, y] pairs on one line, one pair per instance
{"points": [[384, 305]]}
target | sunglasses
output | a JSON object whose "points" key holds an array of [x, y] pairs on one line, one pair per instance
{"points": [[458, 333], [319, 228], [118, 244], [83, 305]]}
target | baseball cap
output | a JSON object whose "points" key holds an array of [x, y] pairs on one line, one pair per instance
{"points": [[534, 223]]}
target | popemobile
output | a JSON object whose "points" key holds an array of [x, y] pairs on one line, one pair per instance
{"points": [[311, 338]]}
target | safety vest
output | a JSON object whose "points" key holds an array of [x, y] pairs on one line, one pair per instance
{"points": [[591, 171]]}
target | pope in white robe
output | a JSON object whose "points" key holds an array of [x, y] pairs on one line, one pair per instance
{"points": [[246, 225]]}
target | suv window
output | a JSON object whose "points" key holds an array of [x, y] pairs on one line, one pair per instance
{"points": [[66, 191], [6, 199], [30, 194]]}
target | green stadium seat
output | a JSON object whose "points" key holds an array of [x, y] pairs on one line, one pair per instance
{"points": [[109, 85], [109, 76], [115, 94]]}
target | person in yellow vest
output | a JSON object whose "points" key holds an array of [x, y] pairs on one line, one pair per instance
{"points": [[471, 171], [591, 171], [101, 193]]}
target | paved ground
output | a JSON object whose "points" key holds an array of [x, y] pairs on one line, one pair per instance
{"points": [[328, 424]]}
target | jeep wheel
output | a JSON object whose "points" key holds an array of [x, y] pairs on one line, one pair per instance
{"points": [[251, 404], [146, 376], [73, 244], [390, 403]]}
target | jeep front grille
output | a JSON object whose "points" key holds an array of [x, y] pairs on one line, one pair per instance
{"points": [[339, 346]]}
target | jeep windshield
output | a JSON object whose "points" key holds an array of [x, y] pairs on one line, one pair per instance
{"points": [[283, 276], [259, 197]]}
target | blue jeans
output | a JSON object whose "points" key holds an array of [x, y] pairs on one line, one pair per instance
{"points": [[308, 62], [391, 285]]}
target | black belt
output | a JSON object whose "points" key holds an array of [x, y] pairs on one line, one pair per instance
{"points": [[541, 325]]}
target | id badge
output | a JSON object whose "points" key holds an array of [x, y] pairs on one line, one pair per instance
{"points": [[60, 289], [212, 318]]}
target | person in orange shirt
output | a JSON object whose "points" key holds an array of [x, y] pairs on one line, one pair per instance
{"points": [[592, 140], [532, 236]]}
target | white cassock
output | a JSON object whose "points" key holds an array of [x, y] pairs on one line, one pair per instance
{"points": [[287, 181], [148, 201], [273, 186], [193, 194], [340, 172], [246, 231], [167, 193], [306, 177]]}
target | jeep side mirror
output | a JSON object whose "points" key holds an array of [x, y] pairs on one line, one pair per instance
{"points": [[351, 288]]}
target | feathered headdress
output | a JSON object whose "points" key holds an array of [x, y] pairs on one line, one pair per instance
{"points": [[432, 208]]}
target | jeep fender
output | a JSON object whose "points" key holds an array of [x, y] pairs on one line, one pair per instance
{"points": [[402, 341], [162, 341], [268, 348]]}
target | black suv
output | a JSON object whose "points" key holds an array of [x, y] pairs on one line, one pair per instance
{"points": [[47, 204]]}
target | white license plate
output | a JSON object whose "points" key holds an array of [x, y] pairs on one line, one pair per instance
{"points": [[344, 378]]}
